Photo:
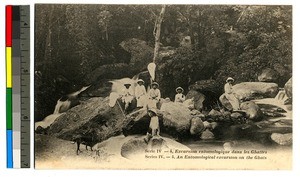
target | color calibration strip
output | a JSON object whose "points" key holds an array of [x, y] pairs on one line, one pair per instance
{"points": [[17, 86], [9, 134]]}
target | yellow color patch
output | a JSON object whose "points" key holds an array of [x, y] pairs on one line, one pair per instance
{"points": [[8, 67]]}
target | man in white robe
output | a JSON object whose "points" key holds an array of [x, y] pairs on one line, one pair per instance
{"points": [[179, 97], [154, 95], [127, 95], [234, 101], [140, 93]]}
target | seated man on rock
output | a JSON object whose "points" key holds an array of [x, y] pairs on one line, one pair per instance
{"points": [[154, 95], [179, 97], [127, 95], [234, 101]]}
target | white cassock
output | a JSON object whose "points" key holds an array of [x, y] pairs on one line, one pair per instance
{"points": [[140, 94], [127, 95], [154, 97], [179, 98], [234, 101]]}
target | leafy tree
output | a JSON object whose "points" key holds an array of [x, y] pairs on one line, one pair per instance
{"points": [[74, 44]]}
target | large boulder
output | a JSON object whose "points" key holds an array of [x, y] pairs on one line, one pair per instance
{"points": [[251, 110], [92, 118], [215, 114], [225, 102], [176, 119], [253, 90], [236, 115], [197, 126], [268, 75], [138, 123], [197, 97], [288, 87], [282, 139], [210, 125], [133, 147], [207, 135]]}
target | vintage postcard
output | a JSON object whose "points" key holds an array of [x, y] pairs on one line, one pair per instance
{"points": [[201, 87]]}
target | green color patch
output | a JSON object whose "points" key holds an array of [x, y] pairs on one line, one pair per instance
{"points": [[8, 108]]}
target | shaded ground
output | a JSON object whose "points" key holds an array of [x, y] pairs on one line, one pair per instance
{"points": [[51, 152]]}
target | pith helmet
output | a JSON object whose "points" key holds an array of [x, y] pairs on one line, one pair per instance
{"points": [[229, 79], [155, 83], [179, 88], [140, 80]]}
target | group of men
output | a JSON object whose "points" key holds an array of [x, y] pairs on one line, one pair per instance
{"points": [[149, 100]]}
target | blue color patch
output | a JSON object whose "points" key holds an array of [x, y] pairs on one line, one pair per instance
{"points": [[9, 148]]}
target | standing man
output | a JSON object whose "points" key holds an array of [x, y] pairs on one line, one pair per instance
{"points": [[140, 93], [179, 97], [127, 95], [234, 101], [154, 95]]}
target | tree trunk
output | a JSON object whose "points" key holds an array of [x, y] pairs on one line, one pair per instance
{"points": [[157, 30], [48, 46]]}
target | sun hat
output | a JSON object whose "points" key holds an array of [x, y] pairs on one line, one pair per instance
{"points": [[140, 80], [155, 83], [179, 88], [229, 79]]}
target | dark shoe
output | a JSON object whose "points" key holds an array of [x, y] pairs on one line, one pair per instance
{"points": [[147, 138]]}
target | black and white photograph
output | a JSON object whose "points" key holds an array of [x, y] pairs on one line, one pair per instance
{"points": [[202, 87]]}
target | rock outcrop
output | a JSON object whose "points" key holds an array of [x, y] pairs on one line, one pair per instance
{"points": [[214, 114], [288, 87], [176, 119], [197, 126], [207, 135], [255, 90], [93, 118], [236, 115], [138, 123], [197, 97], [225, 102], [282, 139], [251, 110]]}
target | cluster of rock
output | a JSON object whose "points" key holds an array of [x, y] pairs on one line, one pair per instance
{"points": [[250, 114], [94, 119]]}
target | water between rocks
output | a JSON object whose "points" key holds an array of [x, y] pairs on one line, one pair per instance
{"points": [[255, 135]]}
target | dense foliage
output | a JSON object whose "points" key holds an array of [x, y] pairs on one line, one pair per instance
{"points": [[73, 43]]}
